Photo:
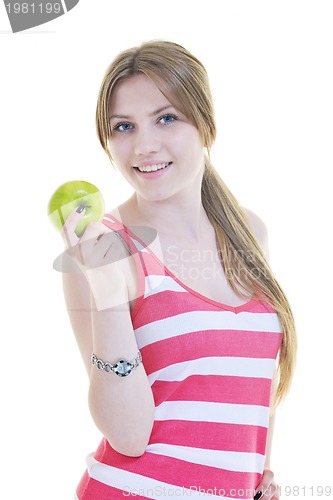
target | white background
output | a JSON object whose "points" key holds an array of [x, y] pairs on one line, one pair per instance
{"points": [[270, 67]]}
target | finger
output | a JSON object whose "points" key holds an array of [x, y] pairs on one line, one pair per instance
{"points": [[94, 231], [68, 231], [109, 249], [263, 488], [271, 492], [104, 249], [92, 245]]}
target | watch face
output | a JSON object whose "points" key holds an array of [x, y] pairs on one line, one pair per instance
{"points": [[123, 368]]}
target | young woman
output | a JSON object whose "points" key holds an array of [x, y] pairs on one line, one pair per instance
{"points": [[177, 314]]}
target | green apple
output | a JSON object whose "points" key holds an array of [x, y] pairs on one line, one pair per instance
{"points": [[68, 197]]}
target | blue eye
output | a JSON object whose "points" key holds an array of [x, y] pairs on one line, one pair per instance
{"points": [[122, 127], [166, 119]]}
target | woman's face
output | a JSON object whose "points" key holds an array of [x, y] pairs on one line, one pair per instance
{"points": [[155, 147]]}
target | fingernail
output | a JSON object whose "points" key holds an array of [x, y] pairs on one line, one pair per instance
{"points": [[80, 208], [257, 495]]}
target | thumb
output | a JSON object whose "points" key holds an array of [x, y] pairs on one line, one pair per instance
{"points": [[68, 231]]}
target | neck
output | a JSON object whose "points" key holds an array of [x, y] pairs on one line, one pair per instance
{"points": [[185, 218]]}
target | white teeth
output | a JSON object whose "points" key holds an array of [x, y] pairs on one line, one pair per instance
{"points": [[153, 168]]}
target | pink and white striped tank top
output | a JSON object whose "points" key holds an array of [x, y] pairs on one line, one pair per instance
{"points": [[210, 367]]}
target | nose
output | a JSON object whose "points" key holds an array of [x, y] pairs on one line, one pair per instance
{"points": [[146, 142]]}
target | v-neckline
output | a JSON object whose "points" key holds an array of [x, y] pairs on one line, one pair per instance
{"points": [[236, 309]]}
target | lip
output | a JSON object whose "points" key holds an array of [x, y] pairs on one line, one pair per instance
{"points": [[152, 175]]}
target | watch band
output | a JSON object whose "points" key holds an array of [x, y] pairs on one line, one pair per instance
{"points": [[122, 368]]}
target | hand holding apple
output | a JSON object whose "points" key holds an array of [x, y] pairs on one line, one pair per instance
{"points": [[68, 197]]}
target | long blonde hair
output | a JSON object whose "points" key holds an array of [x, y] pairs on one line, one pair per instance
{"points": [[183, 80]]}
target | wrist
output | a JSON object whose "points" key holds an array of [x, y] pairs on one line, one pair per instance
{"points": [[122, 367]]}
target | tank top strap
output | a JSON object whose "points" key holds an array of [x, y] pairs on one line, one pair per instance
{"points": [[122, 232], [132, 245], [150, 271]]}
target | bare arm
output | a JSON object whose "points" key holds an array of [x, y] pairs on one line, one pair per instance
{"points": [[271, 422], [259, 230], [267, 486], [121, 407], [77, 298]]}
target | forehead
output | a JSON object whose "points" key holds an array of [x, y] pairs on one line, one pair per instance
{"points": [[136, 92]]}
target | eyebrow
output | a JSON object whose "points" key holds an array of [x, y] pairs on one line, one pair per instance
{"points": [[156, 112]]}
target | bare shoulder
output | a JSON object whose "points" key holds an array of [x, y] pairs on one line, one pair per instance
{"points": [[259, 229]]}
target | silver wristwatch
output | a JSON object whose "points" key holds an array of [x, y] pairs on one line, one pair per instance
{"points": [[122, 368]]}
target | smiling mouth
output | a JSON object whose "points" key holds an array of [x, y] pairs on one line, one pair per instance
{"points": [[153, 168]]}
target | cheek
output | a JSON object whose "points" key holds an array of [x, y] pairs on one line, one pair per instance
{"points": [[192, 148], [119, 150], [190, 139]]}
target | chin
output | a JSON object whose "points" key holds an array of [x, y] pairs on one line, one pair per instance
{"points": [[154, 196]]}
